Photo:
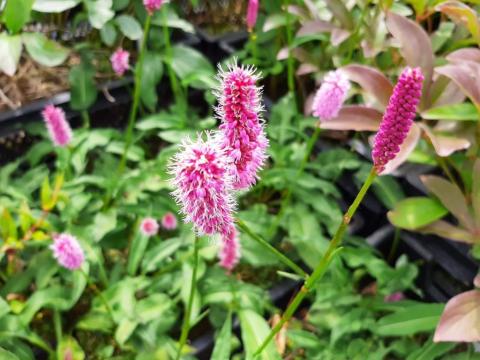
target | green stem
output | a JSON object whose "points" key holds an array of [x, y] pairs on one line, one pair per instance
{"points": [[57, 324], [253, 40], [136, 95], [322, 266], [396, 242], [86, 119], [99, 293], [270, 248], [177, 91], [290, 69], [288, 194], [188, 312]]}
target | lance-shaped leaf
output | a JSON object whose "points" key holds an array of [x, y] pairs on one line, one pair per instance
{"points": [[445, 145], [340, 12], [462, 14], [416, 212], [445, 92], [405, 150], [466, 76], [465, 54], [354, 117], [460, 319], [456, 112], [446, 230], [476, 191], [414, 42], [451, 197], [371, 80], [314, 27]]}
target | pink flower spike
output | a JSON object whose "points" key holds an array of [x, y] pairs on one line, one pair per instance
{"points": [[120, 61], [230, 251], [152, 5], [398, 118], [242, 130], [67, 251], [149, 226], [331, 95], [57, 126], [169, 221], [252, 12], [203, 185]]}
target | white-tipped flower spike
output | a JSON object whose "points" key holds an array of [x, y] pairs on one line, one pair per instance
{"points": [[203, 185], [67, 251], [331, 95], [149, 226], [57, 125], [242, 127]]}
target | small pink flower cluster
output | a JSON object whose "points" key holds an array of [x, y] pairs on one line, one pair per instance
{"points": [[57, 126], [152, 5], [331, 95], [207, 172], [67, 251], [149, 226], [120, 61]]}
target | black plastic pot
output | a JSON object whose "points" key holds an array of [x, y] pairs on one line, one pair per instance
{"points": [[446, 268]]}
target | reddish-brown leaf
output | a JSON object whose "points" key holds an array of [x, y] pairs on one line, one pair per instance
{"points": [[465, 54], [462, 14], [451, 197], [354, 117], [371, 80], [466, 76], [445, 145], [315, 27], [448, 231], [460, 320]]}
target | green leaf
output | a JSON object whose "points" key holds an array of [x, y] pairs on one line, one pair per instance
{"points": [[416, 212], [187, 62], [152, 73], [223, 341], [136, 252], [410, 321], [69, 348], [10, 48], [103, 223], [153, 307], [254, 330], [44, 51], [159, 253], [108, 33], [458, 112], [99, 12], [45, 192], [431, 350], [16, 14], [388, 190], [54, 6], [7, 355], [82, 83], [129, 27]]}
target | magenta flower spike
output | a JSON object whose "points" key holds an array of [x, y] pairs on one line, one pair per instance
{"points": [[242, 129], [152, 5], [149, 226], [67, 251], [398, 117], [230, 250], [331, 95], [57, 126], [169, 221], [252, 12], [120, 61], [203, 185]]}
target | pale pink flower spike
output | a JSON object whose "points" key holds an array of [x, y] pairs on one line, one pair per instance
{"points": [[230, 250], [242, 127], [152, 5], [149, 226], [203, 185], [57, 126], [252, 13], [331, 95], [67, 251], [120, 61]]}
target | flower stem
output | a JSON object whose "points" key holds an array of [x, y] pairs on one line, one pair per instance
{"points": [[99, 293], [86, 119], [177, 91], [288, 194], [57, 324], [136, 95], [322, 266], [188, 312], [270, 248], [291, 78]]}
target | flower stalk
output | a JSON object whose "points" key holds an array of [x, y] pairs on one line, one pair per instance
{"points": [[136, 95], [191, 297], [322, 266]]}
